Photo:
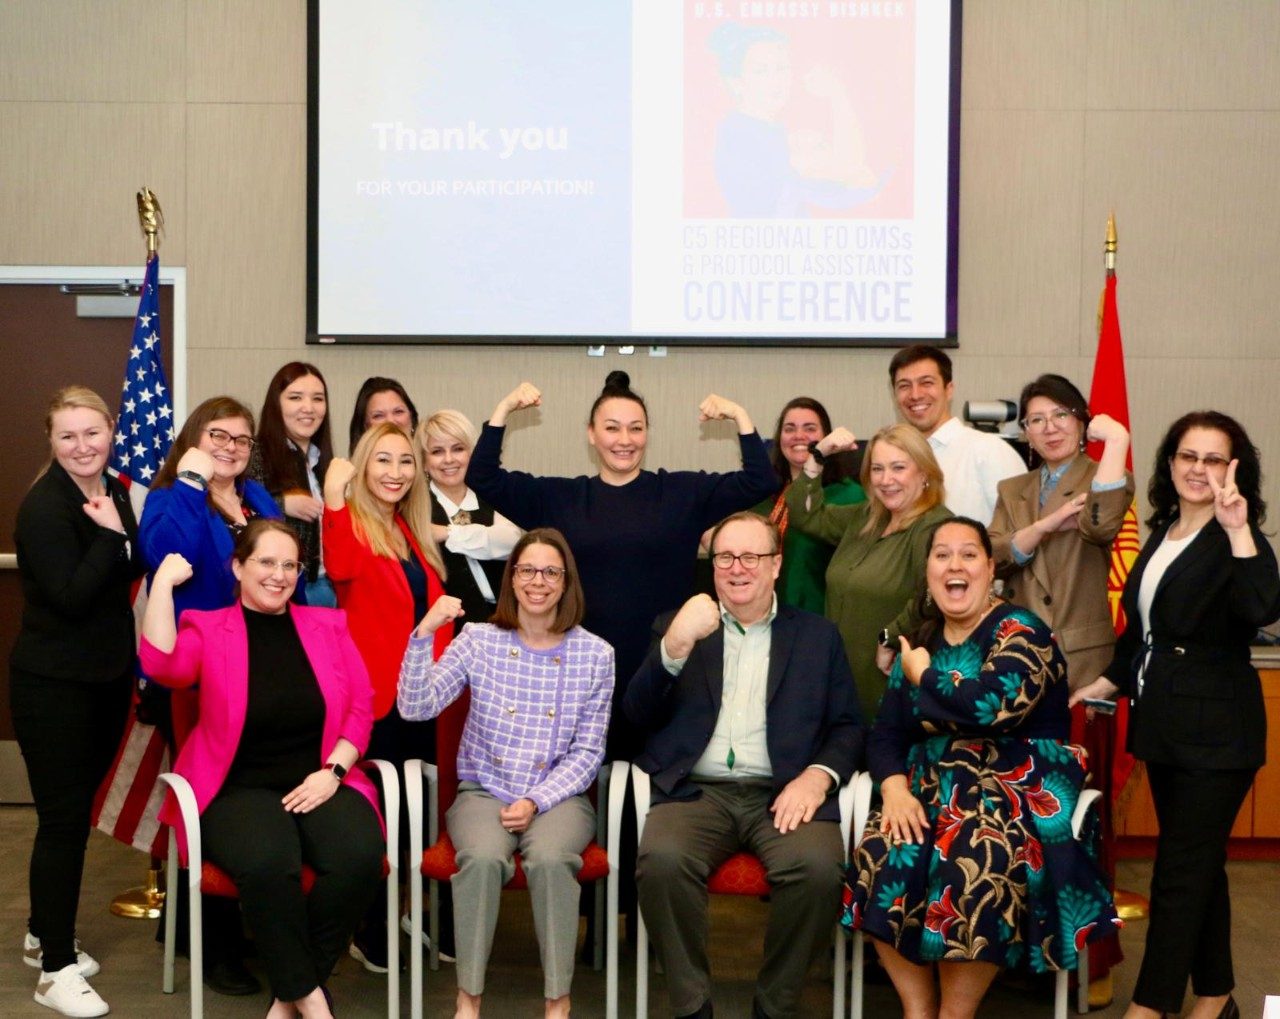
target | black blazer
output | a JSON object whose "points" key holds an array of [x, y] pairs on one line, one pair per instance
{"points": [[812, 716], [1201, 702], [77, 577]]}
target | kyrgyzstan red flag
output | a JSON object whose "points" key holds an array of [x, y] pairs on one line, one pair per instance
{"points": [[1109, 395]]}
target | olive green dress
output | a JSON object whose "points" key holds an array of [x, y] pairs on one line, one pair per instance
{"points": [[872, 580]]}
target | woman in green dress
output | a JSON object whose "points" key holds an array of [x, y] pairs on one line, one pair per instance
{"points": [[878, 564], [803, 580]]}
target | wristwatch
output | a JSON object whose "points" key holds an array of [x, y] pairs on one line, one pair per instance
{"points": [[819, 457], [339, 772], [883, 639], [195, 476]]}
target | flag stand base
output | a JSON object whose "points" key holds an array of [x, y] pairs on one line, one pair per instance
{"points": [[1131, 905], [143, 902]]}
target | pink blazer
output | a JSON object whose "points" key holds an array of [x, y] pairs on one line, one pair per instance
{"points": [[213, 650]]}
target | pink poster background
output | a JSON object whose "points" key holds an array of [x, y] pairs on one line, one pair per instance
{"points": [[874, 59]]}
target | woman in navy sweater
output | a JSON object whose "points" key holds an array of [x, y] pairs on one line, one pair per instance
{"points": [[633, 532]]}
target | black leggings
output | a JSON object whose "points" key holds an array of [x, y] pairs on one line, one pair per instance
{"points": [[262, 846], [68, 732]]}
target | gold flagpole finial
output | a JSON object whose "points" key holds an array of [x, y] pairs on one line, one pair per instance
{"points": [[1110, 247], [150, 218]]}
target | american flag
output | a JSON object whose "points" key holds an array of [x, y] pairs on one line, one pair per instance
{"points": [[128, 801]]}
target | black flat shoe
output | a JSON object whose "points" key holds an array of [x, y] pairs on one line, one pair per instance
{"points": [[231, 978]]}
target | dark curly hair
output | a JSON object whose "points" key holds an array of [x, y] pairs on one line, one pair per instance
{"points": [[1161, 493], [931, 619]]}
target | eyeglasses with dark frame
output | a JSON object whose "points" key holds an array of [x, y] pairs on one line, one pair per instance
{"points": [[525, 573], [749, 560], [222, 438]]}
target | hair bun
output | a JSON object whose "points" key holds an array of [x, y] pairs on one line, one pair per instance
{"points": [[618, 380]]}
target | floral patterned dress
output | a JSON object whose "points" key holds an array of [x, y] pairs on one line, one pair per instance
{"points": [[982, 740]]}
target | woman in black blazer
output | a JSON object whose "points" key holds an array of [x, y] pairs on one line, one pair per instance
{"points": [[71, 673], [1203, 584]]}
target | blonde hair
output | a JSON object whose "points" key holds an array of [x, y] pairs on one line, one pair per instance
{"points": [[414, 509], [71, 398], [452, 424], [909, 440]]}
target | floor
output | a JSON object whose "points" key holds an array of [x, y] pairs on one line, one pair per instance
{"points": [[130, 978]]}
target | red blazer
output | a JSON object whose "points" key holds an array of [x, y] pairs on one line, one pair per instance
{"points": [[213, 650], [379, 605]]}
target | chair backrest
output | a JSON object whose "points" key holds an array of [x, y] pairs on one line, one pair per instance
{"points": [[449, 725]]}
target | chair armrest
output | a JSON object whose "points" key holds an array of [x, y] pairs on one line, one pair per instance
{"points": [[845, 798], [1088, 797], [617, 798], [641, 783], [186, 798], [391, 798], [413, 804]]}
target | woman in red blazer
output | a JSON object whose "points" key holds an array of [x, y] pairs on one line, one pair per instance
{"points": [[387, 571], [284, 714]]}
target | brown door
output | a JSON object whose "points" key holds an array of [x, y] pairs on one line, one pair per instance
{"points": [[44, 345]]}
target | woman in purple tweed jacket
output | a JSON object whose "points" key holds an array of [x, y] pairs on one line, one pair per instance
{"points": [[541, 687]]}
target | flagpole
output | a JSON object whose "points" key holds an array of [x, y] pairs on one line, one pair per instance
{"points": [[144, 901], [1129, 905]]}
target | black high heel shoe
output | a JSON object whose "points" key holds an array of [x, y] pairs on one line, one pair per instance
{"points": [[1230, 1010]]}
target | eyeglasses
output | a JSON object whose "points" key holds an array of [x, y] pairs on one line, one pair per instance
{"points": [[749, 560], [222, 439], [1188, 459], [551, 574], [1039, 422], [271, 564]]}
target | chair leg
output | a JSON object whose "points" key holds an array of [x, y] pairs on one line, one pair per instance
{"points": [[597, 955], [393, 944], [195, 943], [840, 958], [856, 979], [435, 925], [642, 967], [1082, 982], [415, 938], [1061, 991], [171, 912]]}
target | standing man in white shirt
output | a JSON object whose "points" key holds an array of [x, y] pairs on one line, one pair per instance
{"points": [[973, 463]]}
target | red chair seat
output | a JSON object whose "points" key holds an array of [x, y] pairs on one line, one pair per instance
{"points": [[216, 881], [741, 874], [440, 863]]}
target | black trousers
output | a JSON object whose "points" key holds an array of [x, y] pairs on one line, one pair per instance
{"points": [[1189, 930], [68, 733], [263, 847]]}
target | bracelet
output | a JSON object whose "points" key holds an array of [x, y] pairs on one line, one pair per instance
{"points": [[819, 457], [195, 476]]}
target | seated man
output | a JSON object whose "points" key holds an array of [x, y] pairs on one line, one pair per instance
{"points": [[752, 724]]}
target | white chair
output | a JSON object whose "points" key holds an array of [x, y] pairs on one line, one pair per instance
{"points": [[203, 876], [438, 859], [743, 874], [1062, 979]]}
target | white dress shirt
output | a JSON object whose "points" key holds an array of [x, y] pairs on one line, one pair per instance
{"points": [[476, 541], [973, 463]]}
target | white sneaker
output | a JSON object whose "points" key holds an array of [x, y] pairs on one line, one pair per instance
{"points": [[33, 956], [68, 993], [406, 925]]}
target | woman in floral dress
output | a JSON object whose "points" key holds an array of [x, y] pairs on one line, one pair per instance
{"points": [[969, 863]]}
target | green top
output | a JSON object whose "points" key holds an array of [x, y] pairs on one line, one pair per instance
{"points": [[803, 580], [872, 580]]}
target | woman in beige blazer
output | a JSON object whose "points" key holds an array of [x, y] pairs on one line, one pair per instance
{"points": [[1053, 526]]}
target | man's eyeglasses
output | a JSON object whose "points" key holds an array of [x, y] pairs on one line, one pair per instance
{"points": [[1189, 459], [222, 439], [271, 564], [749, 560], [1039, 422], [551, 574]]}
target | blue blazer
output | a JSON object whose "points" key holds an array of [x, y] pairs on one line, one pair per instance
{"points": [[178, 519], [812, 714]]}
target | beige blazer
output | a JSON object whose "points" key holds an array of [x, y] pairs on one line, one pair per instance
{"points": [[1065, 583]]}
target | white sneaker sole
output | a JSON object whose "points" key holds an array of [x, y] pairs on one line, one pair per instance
{"points": [[406, 925]]}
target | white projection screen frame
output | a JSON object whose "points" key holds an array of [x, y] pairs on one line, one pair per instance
{"points": [[701, 172]]}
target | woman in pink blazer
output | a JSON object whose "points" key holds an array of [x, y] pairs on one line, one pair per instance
{"points": [[285, 710]]}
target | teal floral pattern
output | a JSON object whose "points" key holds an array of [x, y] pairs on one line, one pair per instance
{"points": [[999, 877]]}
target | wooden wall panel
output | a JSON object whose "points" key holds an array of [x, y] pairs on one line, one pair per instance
{"points": [[1013, 61], [246, 51]]}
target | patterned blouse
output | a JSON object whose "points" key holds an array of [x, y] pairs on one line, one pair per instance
{"points": [[538, 718]]}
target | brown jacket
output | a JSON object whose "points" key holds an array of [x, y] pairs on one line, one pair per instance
{"points": [[1065, 583]]}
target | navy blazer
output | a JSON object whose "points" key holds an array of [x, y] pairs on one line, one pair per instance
{"points": [[1201, 703], [812, 715]]}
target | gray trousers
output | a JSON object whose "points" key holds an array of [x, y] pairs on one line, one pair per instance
{"points": [[551, 854], [684, 842]]}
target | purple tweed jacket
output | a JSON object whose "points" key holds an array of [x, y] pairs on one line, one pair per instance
{"points": [[538, 719]]}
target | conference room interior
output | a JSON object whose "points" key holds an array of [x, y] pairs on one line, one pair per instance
{"points": [[1162, 112]]}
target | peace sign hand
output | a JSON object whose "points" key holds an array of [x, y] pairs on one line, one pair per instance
{"points": [[1229, 507]]}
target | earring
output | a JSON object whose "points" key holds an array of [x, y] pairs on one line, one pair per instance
{"points": [[928, 600]]}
